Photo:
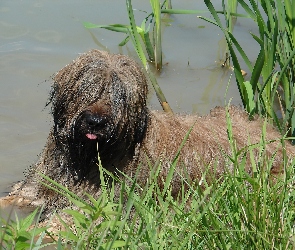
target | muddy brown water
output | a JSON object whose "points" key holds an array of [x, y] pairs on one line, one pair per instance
{"points": [[37, 38]]}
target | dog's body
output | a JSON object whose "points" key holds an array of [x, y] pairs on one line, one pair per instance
{"points": [[99, 106]]}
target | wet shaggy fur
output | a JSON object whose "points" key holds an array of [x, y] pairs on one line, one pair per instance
{"points": [[99, 106]]}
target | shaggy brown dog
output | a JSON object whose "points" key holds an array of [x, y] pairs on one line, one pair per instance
{"points": [[99, 106]]}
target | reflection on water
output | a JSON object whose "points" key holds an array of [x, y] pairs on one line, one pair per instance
{"points": [[34, 44], [12, 31], [49, 36]]}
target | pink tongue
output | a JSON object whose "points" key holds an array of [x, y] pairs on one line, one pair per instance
{"points": [[91, 136]]}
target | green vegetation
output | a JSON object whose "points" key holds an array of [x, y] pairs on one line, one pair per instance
{"points": [[22, 233], [271, 87]]}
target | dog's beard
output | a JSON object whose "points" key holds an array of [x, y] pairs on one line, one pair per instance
{"points": [[84, 145], [83, 157]]}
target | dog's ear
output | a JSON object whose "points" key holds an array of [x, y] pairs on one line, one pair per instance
{"points": [[141, 126]]}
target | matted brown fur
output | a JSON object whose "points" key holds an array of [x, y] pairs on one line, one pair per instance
{"points": [[99, 101]]}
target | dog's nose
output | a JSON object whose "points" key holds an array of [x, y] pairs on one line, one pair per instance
{"points": [[95, 121]]}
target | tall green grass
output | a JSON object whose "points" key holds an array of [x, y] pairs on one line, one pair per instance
{"points": [[270, 90]]}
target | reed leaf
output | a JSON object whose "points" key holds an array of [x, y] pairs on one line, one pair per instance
{"points": [[113, 27]]}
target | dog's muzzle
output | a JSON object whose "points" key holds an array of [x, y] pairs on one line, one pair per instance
{"points": [[95, 123]]}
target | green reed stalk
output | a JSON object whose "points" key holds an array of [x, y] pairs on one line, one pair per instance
{"points": [[230, 14], [156, 7], [290, 15], [168, 4], [137, 45], [230, 11]]}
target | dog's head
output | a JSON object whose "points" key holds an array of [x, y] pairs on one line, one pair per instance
{"points": [[99, 100]]}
